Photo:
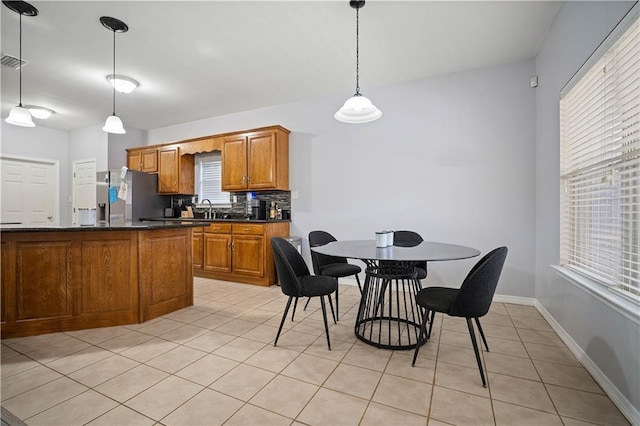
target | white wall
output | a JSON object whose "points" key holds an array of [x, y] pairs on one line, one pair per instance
{"points": [[608, 339], [451, 158], [87, 143], [41, 142]]}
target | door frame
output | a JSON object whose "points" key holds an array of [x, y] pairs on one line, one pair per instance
{"points": [[56, 183]]}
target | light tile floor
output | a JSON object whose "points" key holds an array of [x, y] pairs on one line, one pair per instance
{"points": [[215, 363]]}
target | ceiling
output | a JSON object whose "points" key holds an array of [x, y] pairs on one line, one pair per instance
{"points": [[202, 59]]}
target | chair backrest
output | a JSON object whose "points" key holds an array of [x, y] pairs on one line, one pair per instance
{"points": [[409, 239], [290, 266], [476, 292], [406, 238], [317, 239]]}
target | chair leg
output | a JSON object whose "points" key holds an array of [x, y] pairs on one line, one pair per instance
{"points": [[324, 316], [423, 332], [433, 315], [358, 281], [295, 305], [306, 304], [337, 300], [284, 316], [333, 314], [482, 334], [475, 348]]}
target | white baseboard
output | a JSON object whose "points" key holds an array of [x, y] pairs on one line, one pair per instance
{"points": [[628, 410]]}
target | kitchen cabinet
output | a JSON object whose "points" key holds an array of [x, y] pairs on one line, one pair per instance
{"points": [[240, 251], [197, 248], [88, 277], [143, 160], [175, 171], [256, 160]]}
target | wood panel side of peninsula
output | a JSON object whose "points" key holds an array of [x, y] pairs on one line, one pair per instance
{"points": [[63, 281]]}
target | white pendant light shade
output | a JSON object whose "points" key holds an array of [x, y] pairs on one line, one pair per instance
{"points": [[114, 125], [19, 116], [358, 109]]}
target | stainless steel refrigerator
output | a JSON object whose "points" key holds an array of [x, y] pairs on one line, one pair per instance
{"points": [[126, 197]]}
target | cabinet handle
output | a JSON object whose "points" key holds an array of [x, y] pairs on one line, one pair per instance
{"points": [[244, 179], [248, 179]]}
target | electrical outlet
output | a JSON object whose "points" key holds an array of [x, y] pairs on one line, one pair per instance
{"points": [[294, 195]]}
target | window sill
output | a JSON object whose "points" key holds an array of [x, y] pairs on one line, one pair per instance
{"points": [[606, 295]]}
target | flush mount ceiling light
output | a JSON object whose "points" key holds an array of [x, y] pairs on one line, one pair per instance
{"points": [[113, 124], [358, 108], [39, 112], [18, 115], [122, 84]]}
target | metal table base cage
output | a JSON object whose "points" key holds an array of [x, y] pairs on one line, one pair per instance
{"points": [[388, 316]]}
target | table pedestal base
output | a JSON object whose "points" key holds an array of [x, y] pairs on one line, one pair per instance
{"points": [[388, 316]]}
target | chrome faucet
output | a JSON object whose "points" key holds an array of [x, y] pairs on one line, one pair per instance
{"points": [[211, 213]]}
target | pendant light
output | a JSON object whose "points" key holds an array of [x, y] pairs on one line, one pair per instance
{"points": [[358, 108], [19, 115], [113, 123]]}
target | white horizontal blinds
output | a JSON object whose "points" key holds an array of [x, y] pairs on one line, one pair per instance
{"points": [[600, 167], [210, 180]]}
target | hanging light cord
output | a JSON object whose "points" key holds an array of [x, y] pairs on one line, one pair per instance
{"points": [[20, 41], [357, 52], [114, 71]]}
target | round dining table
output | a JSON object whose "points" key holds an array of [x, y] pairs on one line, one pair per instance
{"points": [[388, 316]]}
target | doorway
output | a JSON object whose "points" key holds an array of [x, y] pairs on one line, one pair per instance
{"points": [[84, 186], [30, 191]]}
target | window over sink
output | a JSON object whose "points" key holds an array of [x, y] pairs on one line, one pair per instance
{"points": [[208, 176]]}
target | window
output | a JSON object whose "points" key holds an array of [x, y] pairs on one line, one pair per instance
{"points": [[209, 179], [600, 164]]}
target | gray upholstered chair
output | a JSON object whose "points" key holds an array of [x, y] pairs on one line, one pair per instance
{"points": [[296, 281], [471, 301]]}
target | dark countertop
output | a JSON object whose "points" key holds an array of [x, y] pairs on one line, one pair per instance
{"points": [[205, 222], [141, 226]]}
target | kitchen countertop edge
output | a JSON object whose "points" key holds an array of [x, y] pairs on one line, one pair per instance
{"points": [[134, 226]]}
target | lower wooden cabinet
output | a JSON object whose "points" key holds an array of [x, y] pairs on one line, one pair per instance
{"points": [[62, 281], [239, 251]]}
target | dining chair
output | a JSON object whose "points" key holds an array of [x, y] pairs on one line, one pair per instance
{"points": [[411, 239], [331, 266], [471, 301], [296, 281]]}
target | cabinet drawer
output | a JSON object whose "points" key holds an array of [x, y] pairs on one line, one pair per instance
{"points": [[248, 229], [218, 228]]}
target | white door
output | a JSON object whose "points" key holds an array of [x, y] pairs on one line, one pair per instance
{"points": [[29, 191], [84, 186]]}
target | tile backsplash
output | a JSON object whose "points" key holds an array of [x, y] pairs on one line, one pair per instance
{"points": [[239, 208]]}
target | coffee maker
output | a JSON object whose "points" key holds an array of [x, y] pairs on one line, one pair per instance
{"points": [[258, 209]]}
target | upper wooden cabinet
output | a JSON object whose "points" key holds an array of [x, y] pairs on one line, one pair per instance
{"points": [[256, 160], [143, 159], [175, 171]]}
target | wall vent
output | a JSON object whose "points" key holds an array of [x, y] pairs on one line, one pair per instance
{"points": [[12, 62]]}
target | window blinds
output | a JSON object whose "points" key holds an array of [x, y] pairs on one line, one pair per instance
{"points": [[209, 180], [600, 168]]}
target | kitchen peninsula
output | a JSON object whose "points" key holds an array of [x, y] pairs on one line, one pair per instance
{"points": [[71, 278]]}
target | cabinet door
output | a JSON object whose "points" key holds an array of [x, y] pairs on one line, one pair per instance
{"points": [[261, 160], [248, 255], [198, 250], [217, 252], [168, 170], [234, 163], [149, 160], [134, 160]]}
